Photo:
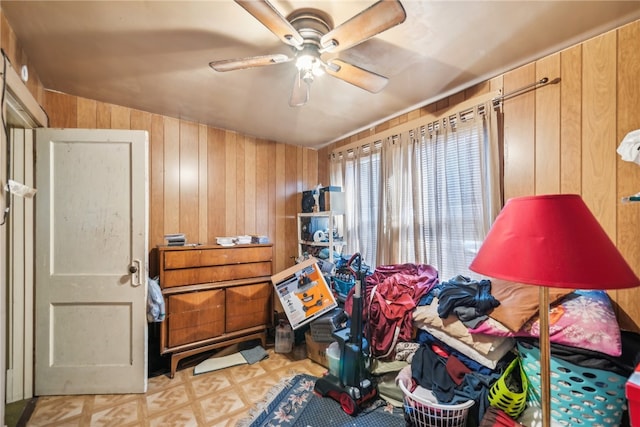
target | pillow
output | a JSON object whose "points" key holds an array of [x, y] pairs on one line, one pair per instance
{"points": [[426, 317], [519, 302], [583, 319]]}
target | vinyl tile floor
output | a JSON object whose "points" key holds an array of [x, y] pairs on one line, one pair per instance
{"points": [[218, 398]]}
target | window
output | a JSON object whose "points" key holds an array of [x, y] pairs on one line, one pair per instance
{"points": [[427, 195]]}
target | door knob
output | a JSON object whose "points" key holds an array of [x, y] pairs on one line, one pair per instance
{"points": [[133, 269]]}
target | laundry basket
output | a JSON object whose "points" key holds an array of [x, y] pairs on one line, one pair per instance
{"points": [[580, 396], [420, 412]]}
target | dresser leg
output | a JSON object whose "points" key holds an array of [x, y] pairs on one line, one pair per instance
{"points": [[174, 365], [263, 340]]}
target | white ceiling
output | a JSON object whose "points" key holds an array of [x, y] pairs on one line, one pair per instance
{"points": [[154, 56]]}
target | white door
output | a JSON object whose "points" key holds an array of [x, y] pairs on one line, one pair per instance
{"points": [[91, 270]]}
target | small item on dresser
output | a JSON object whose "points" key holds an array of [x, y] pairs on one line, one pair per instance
{"points": [[242, 240], [259, 239], [225, 241], [177, 239]]}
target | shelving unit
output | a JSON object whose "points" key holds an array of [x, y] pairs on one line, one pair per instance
{"points": [[314, 221]]}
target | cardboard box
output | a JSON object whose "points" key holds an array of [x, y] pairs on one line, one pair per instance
{"points": [[317, 351], [303, 292]]}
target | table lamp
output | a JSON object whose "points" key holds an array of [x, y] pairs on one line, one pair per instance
{"points": [[551, 241]]}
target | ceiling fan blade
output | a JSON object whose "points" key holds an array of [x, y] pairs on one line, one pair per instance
{"points": [[375, 19], [264, 12], [357, 76], [299, 91], [250, 62]]}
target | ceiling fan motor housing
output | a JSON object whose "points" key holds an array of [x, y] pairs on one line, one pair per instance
{"points": [[311, 24]]}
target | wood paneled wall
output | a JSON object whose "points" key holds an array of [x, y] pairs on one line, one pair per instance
{"points": [[562, 138], [206, 182]]}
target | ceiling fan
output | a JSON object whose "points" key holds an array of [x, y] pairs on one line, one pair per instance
{"points": [[310, 33]]}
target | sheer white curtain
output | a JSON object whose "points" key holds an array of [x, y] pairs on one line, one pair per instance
{"points": [[459, 175], [425, 195], [357, 171]]}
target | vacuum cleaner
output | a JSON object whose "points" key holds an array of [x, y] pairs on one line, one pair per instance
{"points": [[353, 387]]}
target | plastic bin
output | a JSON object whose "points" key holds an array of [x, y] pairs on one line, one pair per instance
{"points": [[333, 355], [579, 396], [424, 413]]}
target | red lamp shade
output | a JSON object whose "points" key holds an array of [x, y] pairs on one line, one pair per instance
{"points": [[553, 241]]}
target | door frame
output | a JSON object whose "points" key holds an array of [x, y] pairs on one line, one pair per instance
{"points": [[20, 110]]}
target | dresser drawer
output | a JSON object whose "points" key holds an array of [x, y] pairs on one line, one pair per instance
{"points": [[217, 256], [195, 316], [219, 273], [248, 306]]}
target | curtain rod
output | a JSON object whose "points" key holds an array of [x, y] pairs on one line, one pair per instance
{"points": [[417, 122], [543, 81]]}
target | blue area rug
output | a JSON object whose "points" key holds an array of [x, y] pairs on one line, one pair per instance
{"points": [[294, 403]]}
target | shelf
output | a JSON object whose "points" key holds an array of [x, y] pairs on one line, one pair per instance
{"points": [[320, 214], [310, 246], [325, 244]]}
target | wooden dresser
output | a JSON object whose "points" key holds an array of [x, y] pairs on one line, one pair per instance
{"points": [[214, 296]]}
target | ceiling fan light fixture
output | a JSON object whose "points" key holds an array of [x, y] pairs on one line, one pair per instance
{"points": [[309, 64], [308, 60]]}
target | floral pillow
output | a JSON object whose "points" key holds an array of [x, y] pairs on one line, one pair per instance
{"points": [[583, 319]]}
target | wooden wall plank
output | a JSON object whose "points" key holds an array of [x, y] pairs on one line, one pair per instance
{"points": [[292, 201], [141, 120], [302, 184], [547, 127], [203, 182], [263, 188], [571, 121], [281, 256], [66, 108], [519, 134], [156, 189], [599, 140], [86, 113], [324, 167], [249, 208], [171, 176], [189, 180], [628, 173], [216, 183], [103, 115], [241, 189], [231, 191], [271, 188], [120, 117]]}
